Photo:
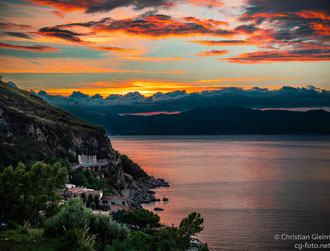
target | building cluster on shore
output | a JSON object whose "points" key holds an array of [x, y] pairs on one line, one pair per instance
{"points": [[114, 203]]}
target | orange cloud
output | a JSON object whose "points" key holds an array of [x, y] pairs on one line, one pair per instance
{"points": [[156, 26], [314, 14], [321, 29], [266, 15], [104, 48], [57, 13], [222, 42], [207, 23], [212, 53]]}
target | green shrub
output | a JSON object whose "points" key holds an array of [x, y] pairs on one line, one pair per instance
{"points": [[105, 208], [12, 224], [73, 214], [92, 206], [97, 201], [203, 247], [77, 239], [89, 200], [107, 229], [118, 215], [86, 178], [23, 230]]}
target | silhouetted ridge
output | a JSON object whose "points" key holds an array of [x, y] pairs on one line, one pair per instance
{"points": [[222, 120]]}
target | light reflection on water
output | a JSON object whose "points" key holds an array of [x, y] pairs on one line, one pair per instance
{"points": [[247, 188]]}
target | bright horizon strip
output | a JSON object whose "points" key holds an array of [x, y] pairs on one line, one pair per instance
{"points": [[147, 93]]}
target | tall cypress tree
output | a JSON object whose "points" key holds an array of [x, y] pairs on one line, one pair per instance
{"points": [[89, 200]]}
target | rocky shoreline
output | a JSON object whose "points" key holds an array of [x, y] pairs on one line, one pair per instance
{"points": [[140, 192]]}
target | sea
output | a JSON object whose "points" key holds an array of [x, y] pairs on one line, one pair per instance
{"points": [[255, 192]]}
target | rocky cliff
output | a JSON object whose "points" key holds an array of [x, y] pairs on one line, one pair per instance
{"points": [[33, 130]]}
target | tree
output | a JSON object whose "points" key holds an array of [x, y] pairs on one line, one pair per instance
{"points": [[141, 218], [86, 178], [92, 206], [118, 215], [89, 200], [136, 241], [83, 197], [107, 230], [203, 247], [170, 238], [192, 224], [132, 168], [173, 238], [31, 195], [97, 201]]}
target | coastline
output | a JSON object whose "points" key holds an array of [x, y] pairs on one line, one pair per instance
{"points": [[141, 193]]}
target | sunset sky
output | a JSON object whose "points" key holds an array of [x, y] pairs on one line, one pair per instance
{"points": [[115, 47]]}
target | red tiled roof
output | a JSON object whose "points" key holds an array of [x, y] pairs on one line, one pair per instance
{"points": [[74, 189]]}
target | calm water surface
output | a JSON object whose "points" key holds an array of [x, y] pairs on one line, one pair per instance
{"points": [[247, 188]]}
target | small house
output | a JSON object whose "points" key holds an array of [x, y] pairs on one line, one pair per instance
{"points": [[113, 200]]}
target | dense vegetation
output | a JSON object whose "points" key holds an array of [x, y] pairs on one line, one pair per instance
{"points": [[86, 178], [132, 168], [31, 195], [74, 216], [36, 219]]}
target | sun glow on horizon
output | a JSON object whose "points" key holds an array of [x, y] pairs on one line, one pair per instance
{"points": [[145, 91]]}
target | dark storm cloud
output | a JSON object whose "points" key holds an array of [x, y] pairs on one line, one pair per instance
{"points": [[287, 27], [152, 26], [248, 29], [286, 97], [59, 33], [285, 6], [17, 34], [103, 5], [33, 48], [107, 5]]}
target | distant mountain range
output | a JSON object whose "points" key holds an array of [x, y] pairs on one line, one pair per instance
{"points": [[221, 120]]}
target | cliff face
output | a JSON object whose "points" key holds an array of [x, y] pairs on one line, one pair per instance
{"points": [[31, 130]]}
